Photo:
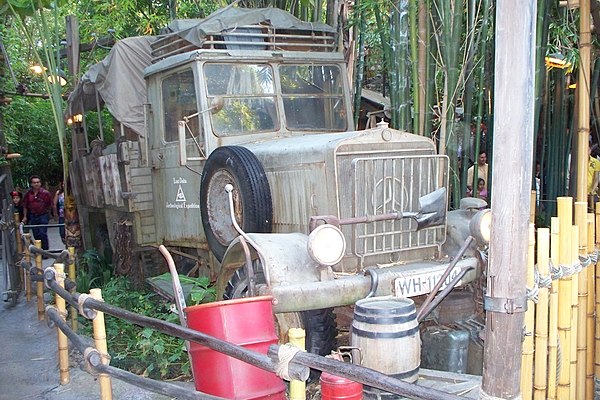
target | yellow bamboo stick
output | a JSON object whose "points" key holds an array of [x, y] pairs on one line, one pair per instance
{"points": [[574, 312], [63, 345], [40, 285], [101, 346], [297, 338], [582, 294], [527, 351], [565, 206], [597, 334], [590, 320], [553, 313], [541, 317], [27, 257], [72, 276]]}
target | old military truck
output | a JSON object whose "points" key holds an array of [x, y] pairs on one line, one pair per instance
{"points": [[253, 108]]}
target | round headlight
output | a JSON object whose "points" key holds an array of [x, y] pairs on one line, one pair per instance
{"points": [[481, 226], [326, 245]]}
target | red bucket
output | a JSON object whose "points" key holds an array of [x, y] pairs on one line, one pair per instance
{"points": [[247, 322]]}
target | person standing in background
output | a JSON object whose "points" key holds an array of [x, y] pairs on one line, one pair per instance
{"points": [[37, 204], [17, 199]]}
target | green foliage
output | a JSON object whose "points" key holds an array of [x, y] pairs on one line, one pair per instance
{"points": [[93, 271], [198, 289], [30, 131], [142, 350]]}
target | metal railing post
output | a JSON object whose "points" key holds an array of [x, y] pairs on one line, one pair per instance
{"points": [[40, 284], [100, 343], [63, 344]]}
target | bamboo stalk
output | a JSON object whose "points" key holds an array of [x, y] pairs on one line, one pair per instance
{"points": [[565, 206], [40, 284], [100, 343], [574, 313], [582, 294], [597, 302], [590, 325], [583, 94], [73, 277], [63, 344], [27, 281], [297, 338], [527, 352], [541, 317], [553, 313]]}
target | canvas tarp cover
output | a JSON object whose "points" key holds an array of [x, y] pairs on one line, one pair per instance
{"points": [[119, 81], [119, 78]]}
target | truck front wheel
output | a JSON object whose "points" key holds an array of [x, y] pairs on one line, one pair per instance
{"points": [[239, 167], [319, 325]]}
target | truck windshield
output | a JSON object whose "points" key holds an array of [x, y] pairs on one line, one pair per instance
{"points": [[243, 97], [313, 97]]}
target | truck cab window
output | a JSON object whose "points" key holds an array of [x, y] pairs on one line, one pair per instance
{"points": [[313, 97], [246, 98], [179, 100]]}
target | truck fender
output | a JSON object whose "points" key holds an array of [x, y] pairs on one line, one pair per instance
{"points": [[284, 258]]}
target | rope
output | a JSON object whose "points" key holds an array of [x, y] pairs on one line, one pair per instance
{"points": [[594, 256], [286, 353], [86, 312], [556, 272], [585, 260]]}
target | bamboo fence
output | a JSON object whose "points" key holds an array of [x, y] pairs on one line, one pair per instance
{"points": [[566, 293]]}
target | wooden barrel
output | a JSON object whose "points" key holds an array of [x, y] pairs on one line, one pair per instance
{"points": [[386, 331]]}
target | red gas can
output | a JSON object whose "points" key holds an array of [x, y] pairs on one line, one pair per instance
{"points": [[247, 322], [339, 388]]}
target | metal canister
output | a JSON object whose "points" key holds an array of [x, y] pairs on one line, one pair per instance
{"points": [[335, 387]]}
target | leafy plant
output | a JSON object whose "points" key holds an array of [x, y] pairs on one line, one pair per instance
{"points": [[93, 271], [142, 351], [197, 290]]}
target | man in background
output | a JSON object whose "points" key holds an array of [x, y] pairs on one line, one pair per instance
{"points": [[37, 205]]}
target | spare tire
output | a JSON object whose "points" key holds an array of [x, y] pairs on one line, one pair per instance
{"points": [[253, 209]]}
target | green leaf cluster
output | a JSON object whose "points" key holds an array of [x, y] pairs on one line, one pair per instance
{"points": [[142, 351]]}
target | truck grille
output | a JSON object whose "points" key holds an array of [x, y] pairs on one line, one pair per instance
{"points": [[380, 185]]}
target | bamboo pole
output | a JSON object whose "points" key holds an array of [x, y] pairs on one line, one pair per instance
{"points": [[590, 327], [297, 338], [63, 344], [541, 317], [72, 276], [100, 343], [40, 285], [597, 333], [27, 281], [527, 352], [582, 294], [565, 206], [574, 312], [553, 313], [583, 96]]}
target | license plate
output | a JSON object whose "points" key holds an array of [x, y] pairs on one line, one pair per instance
{"points": [[415, 283]]}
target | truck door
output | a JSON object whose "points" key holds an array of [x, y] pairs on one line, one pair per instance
{"points": [[178, 157]]}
